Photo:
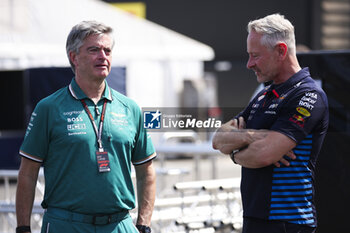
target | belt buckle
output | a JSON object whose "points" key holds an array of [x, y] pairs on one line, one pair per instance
{"points": [[94, 222]]}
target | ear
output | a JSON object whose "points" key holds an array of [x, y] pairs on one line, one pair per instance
{"points": [[72, 57], [282, 49]]}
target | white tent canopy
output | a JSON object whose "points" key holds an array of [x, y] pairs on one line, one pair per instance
{"points": [[33, 33]]}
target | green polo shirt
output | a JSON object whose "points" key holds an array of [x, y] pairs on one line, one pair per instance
{"points": [[61, 136]]}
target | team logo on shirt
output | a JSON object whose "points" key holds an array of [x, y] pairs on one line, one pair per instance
{"points": [[76, 127], [303, 111], [31, 123], [74, 119], [75, 122], [298, 119], [152, 119], [119, 119], [308, 100], [120, 115]]}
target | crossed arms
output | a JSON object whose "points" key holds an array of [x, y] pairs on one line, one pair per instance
{"points": [[262, 147]]}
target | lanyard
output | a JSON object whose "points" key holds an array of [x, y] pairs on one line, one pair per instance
{"points": [[98, 131]]}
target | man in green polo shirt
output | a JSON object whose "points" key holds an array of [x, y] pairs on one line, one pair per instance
{"points": [[87, 136]]}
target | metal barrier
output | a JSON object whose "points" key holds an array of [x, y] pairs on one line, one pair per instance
{"points": [[216, 204], [192, 147], [7, 201], [180, 210]]}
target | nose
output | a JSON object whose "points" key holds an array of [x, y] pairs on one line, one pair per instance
{"points": [[102, 54], [250, 63]]}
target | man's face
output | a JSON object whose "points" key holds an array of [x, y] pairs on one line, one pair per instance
{"points": [[262, 60], [94, 58]]}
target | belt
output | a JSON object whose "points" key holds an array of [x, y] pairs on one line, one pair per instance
{"points": [[100, 219]]}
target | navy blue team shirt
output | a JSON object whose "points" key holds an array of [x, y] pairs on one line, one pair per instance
{"points": [[297, 108]]}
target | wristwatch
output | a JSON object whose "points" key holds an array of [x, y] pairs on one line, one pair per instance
{"points": [[21, 229], [232, 155], [143, 229]]}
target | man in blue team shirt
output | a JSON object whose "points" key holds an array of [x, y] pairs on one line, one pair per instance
{"points": [[277, 137]]}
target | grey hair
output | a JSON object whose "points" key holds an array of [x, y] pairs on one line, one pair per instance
{"points": [[80, 32], [274, 28]]}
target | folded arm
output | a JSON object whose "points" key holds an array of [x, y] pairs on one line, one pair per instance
{"points": [[261, 147]]}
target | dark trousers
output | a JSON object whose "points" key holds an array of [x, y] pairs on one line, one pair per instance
{"points": [[254, 225]]}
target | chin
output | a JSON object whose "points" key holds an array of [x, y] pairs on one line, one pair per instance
{"points": [[262, 79], [103, 74]]}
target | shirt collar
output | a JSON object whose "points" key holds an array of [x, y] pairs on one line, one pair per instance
{"points": [[78, 94], [292, 81]]}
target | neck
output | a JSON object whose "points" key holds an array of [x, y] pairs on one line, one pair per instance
{"points": [[92, 89], [290, 67]]}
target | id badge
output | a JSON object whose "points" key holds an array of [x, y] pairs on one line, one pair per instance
{"points": [[102, 161]]}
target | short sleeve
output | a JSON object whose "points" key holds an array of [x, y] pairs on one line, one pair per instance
{"points": [[36, 140], [301, 114], [144, 150]]}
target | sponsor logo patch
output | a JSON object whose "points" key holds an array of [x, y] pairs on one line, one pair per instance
{"points": [[303, 111], [306, 105], [299, 120], [261, 97]]}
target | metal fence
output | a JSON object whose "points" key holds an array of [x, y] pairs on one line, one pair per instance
{"points": [[194, 206]]}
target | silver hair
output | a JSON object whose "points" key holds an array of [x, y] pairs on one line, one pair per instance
{"points": [[80, 32], [274, 28]]}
